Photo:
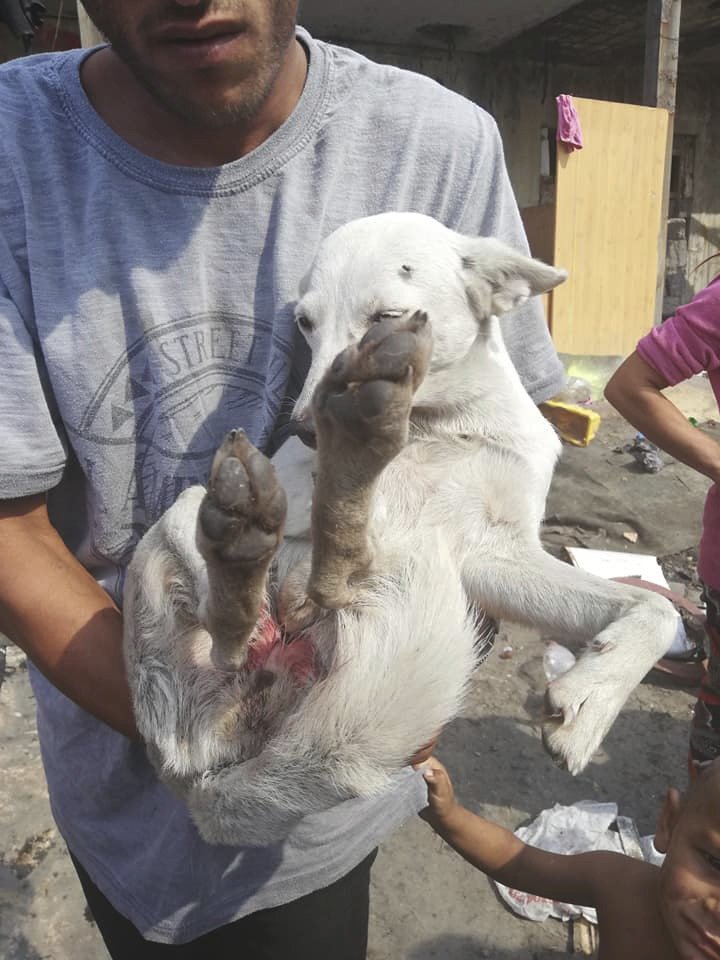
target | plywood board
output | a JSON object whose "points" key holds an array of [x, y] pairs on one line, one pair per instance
{"points": [[608, 217], [539, 223]]}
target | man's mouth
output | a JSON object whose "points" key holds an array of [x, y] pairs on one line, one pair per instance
{"points": [[202, 43], [201, 32]]}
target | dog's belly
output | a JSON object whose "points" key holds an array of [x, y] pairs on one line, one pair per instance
{"points": [[273, 652]]}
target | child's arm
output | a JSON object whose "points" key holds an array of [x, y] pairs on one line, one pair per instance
{"points": [[500, 854], [634, 390]]}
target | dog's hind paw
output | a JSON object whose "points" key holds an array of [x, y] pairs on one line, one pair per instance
{"points": [[578, 718], [367, 392], [243, 512]]}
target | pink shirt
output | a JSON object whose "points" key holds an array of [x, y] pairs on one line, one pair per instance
{"points": [[686, 344]]}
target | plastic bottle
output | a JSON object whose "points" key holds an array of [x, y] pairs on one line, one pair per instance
{"points": [[557, 660]]}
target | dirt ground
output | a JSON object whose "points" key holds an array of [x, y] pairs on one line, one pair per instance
{"points": [[426, 902]]}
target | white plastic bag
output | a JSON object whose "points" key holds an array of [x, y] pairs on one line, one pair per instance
{"points": [[575, 829]]}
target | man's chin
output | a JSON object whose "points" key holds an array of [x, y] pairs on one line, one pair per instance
{"points": [[212, 101], [215, 116]]}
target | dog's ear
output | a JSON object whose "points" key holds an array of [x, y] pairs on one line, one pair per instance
{"points": [[499, 278]]}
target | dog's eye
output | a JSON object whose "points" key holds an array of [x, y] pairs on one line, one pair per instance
{"points": [[386, 315], [305, 323]]}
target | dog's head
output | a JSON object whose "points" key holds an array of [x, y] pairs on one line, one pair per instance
{"points": [[396, 263]]}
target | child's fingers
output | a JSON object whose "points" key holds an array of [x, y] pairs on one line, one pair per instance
{"points": [[437, 780], [439, 790], [429, 767]]}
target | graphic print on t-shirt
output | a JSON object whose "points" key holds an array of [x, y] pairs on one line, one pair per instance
{"points": [[172, 395]]}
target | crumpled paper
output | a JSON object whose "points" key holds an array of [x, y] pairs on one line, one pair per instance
{"points": [[579, 828]]}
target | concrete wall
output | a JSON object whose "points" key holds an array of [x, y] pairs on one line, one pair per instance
{"points": [[518, 94], [521, 97], [51, 36], [698, 115], [9, 46]]}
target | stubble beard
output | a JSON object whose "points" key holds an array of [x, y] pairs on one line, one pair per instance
{"points": [[253, 85]]}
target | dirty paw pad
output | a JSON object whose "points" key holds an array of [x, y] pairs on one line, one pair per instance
{"points": [[242, 514], [368, 389]]}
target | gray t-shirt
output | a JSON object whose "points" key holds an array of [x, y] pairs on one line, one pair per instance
{"points": [[145, 309]]}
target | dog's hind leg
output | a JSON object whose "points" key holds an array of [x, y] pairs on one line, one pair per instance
{"points": [[627, 629], [177, 694], [361, 410], [239, 528]]}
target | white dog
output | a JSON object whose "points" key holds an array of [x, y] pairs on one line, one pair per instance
{"points": [[421, 505]]}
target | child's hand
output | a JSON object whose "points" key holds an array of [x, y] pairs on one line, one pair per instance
{"points": [[441, 797]]}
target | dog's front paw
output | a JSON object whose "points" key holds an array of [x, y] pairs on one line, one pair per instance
{"points": [[242, 515], [366, 395], [579, 713]]}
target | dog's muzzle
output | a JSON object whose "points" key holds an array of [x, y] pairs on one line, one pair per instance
{"points": [[304, 429]]}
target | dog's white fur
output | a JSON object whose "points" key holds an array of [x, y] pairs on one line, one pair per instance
{"points": [[453, 524]]}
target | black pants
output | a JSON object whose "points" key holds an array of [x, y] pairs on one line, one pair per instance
{"points": [[329, 924]]}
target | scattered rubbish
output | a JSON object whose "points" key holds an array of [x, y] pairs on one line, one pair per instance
{"points": [[33, 852], [579, 828], [584, 937], [576, 390], [507, 653], [640, 567], [631, 535], [557, 660], [630, 838], [594, 371], [576, 424], [610, 564], [645, 453]]}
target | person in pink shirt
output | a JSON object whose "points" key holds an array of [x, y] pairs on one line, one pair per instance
{"points": [[685, 344]]}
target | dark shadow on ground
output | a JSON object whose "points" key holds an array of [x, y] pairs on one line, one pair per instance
{"points": [[500, 762], [470, 948]]}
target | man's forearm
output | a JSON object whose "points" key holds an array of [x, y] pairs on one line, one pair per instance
{"points": [[57, 613]]}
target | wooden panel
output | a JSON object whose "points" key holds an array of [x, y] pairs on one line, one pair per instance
{"points": [[546, 301], [608, 221], [539, 223]]}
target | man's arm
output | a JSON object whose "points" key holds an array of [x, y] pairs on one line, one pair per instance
{"points": [[57, 613], [635, 392]]}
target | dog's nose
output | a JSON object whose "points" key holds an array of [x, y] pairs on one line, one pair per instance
{"points": [[304, 428]]}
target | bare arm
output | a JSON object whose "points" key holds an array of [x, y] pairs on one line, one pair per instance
{"points": [[635, 391], [580, 878], [56, 612]]}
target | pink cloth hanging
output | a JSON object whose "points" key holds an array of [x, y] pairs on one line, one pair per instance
{"points": [[568, 123]]}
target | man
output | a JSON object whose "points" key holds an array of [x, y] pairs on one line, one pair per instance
{"points": [[161, 198]]}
